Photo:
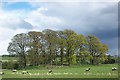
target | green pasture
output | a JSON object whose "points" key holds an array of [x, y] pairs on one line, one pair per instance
{"points": [[6, 59], [99, 71]]}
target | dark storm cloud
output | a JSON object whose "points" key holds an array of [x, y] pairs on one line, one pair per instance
{"points": [[106, 34], [119, 19]]}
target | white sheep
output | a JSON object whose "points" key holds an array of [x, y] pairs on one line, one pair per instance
{"points": [[1, 73], [14, 70], [50, 71], [88, 69], [114, 68], [24, 72]]}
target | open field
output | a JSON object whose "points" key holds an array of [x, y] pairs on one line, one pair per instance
{"points": [[101, 71], [6, 59]]}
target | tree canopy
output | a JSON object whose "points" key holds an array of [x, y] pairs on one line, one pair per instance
{"points": [[57, 47]]}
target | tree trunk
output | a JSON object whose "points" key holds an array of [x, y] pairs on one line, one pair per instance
{"points": [[61, 56]]}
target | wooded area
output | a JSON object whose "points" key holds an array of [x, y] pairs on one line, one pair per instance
{"points": [[51, 47]]}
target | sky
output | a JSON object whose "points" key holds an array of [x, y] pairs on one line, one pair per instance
{"points": [[99, 18]]}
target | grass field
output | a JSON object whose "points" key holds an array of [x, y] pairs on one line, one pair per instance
{"points": [[8, 59], [101, 71]]}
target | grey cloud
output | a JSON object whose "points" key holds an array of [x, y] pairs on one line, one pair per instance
{"points": [[24, 25], [13, 21], [83, 16]]}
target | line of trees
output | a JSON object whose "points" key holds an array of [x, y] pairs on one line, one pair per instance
{"points": [[57, 47]]}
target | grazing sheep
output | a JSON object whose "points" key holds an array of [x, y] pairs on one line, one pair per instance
{"points": [[88, 69], [114, 68], [50, 71], [14, 70], [1, 73], [24, 72]]}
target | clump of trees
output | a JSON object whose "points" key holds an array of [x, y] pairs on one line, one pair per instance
{"points": [[57, 47], [10, 65]]}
